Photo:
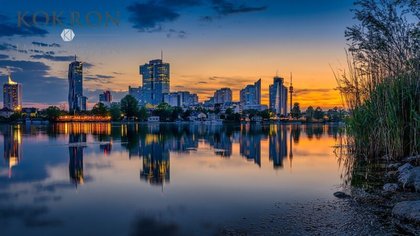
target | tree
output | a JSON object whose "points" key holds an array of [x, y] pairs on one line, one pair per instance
{"points": [[176, 113], [129, 106], [115, 112], [186, 114], [335, 114], [309, 113], [264, 114], [164, 111], [142, 114], [296, 113], [100, 110], [52, 113], [318, 113]]}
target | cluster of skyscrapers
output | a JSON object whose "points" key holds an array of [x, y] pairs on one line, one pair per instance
{"points": [[250, 97], [155, 87]]}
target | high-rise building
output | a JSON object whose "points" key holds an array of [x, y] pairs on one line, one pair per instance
{"points": [[105, 98], [250, 96], [173, 99], [77, 102], [155, 81], [222, 96], [180, 99], [136, 92], [189, 99], [12, 95], [278, 96]]}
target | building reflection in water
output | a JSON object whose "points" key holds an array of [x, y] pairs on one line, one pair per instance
{"points": [[221, 143], [156, 164], [250, 143], [77, 143], [154, 143], [12, 146], [278, 145]]}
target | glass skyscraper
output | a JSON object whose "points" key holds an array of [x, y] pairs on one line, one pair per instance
{"points": [[77, 102], [12, 95], [155, 81], [222, 96], [278, 96], [250, 96]]}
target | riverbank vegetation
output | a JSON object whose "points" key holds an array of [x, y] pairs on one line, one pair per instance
{"points": [[381, 86]]}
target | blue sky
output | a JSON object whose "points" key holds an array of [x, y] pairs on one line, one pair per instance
{"points": [[209, 43]]}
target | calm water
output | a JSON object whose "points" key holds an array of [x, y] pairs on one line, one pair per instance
{"points": [[102, 179]]}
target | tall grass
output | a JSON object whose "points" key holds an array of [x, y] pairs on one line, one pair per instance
{"points": [[381, 86]]}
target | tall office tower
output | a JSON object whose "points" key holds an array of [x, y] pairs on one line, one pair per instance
{"points": [[155, 81], [223, 96], [278, 96], [77, 102], [250, 96], [12, 95], [105, 98]]}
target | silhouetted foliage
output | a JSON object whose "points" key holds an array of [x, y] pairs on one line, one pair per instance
{"points": [[129, 106]]}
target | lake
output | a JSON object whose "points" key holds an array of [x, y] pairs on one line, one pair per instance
{"points": [[139, 179]]}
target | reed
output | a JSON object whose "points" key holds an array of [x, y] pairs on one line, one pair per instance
{"points": [[381, 86]]}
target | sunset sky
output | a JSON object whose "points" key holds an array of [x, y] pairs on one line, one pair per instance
{"points": [[209, 43]]}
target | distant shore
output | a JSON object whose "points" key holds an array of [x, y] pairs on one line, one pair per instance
{"points": [[45, 122]]}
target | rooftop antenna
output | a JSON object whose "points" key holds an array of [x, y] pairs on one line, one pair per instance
{"points": [[161, 54], [9, 77], [75, 57]]}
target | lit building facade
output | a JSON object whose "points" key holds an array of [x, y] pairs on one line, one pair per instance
{"points": [[77, 102], [250, 96], [222, 96], [278, 96], [12, 95], [156, 78]]}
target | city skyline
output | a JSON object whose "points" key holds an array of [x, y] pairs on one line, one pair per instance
{"points": [[284, 36]]}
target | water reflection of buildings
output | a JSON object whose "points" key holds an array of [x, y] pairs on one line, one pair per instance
{"points": [[155, 160], [155, 143], [77, 142], [12, 146], [221, 143], [278, 145], [250, 143]]}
